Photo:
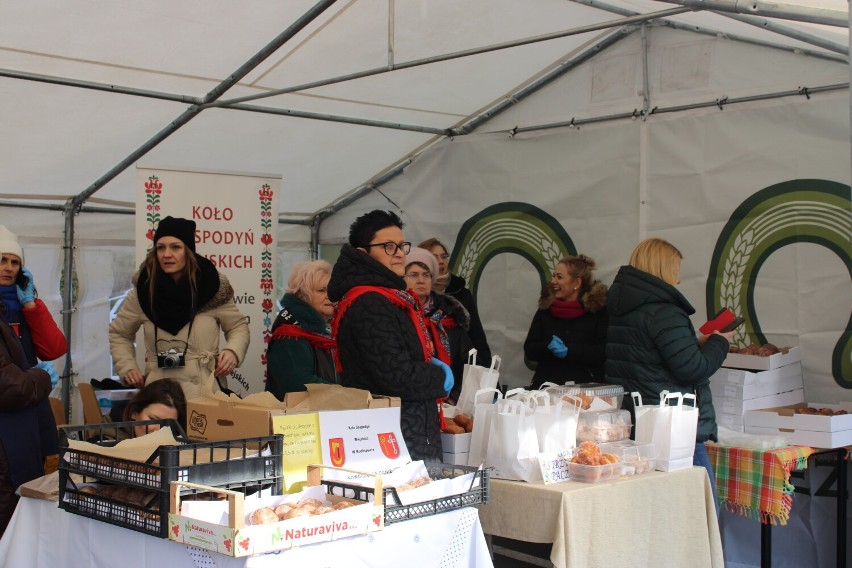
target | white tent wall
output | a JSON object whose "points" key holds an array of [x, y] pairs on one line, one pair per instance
{"points": [[679, 176]]}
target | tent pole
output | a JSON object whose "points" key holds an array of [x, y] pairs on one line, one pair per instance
{"points": [[635, 19], [771, 9], [67, 308], [646, 83], [762, 23]]}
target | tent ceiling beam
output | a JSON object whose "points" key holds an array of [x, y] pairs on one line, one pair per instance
{"points": [[57, 207], [214, 94], [721, 103], [762, 23], [457, 55], [106, 87], [564, 67], [333, 118], [771, 9]]}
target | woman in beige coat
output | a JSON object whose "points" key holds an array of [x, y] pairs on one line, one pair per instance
{"points": [[182, 302]]}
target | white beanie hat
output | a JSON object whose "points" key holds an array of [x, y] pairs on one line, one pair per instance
{"points": [[424, 257], [9, 243]]}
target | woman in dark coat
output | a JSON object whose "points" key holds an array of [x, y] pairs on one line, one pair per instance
{"points": [[651, 344], [382, 339], [301, 347], [23, 434], [567, 337]]}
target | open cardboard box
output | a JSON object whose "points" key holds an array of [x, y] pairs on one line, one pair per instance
{"points": [[236, 538], [219, 417], [756, 362], [803, 429], [321, 397]]}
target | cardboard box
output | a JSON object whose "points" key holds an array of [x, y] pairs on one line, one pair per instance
{"points": [[730, 421], [215, 419], [456, 443], [236, 539], [322, 397], [803, 429], [737, 407], [755, 362], [743, 385], [456, 459]]}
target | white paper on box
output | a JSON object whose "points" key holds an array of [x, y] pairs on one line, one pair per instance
{"points": [[738, 406], [365, 440]]}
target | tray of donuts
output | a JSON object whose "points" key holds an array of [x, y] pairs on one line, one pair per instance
{"points": [[764, 357], [238, 525], [420, 489]]}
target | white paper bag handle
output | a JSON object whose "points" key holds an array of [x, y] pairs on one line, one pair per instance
{"points": [[664, 399], [471, 356], [520, 391], [575, 401], [539, 398], [495, 363], [637, 398], [547, 384], [692, 397], [492, 392]]}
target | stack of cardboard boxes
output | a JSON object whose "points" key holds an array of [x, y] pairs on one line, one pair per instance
{"points": [[748, 382]]}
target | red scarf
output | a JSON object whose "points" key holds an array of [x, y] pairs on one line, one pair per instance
{"points": [[404, 300], [290, 331], [567, 310]]}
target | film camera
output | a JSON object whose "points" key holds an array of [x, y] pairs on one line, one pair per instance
{"points": [[170, 359]]}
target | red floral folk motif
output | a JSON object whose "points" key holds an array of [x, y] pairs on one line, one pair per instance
{"points": [[266, 282]]}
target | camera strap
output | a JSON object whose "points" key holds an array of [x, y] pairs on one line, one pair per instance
{"points": [[185, 343]]}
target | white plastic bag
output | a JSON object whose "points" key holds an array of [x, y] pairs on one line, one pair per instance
{"points": [[484, 408], [474, 379], [672, 428], [512, 442]]}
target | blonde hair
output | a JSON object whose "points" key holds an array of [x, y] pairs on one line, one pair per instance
{"points": [[658, 258], [429, 243], [305, 276]]}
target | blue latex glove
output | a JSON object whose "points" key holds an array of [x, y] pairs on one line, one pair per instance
{"points": [[448, 374], [27, 294], [50, 369], [557, 347]]}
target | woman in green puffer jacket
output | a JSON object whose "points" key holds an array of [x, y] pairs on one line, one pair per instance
{"points": [[651, 344]]}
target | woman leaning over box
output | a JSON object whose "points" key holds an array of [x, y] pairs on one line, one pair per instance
{"points": [[301, 348], [182, 303]]}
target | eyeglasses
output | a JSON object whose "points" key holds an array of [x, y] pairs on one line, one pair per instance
{"points": [[391, 248], [418, 275], [444, 256]]}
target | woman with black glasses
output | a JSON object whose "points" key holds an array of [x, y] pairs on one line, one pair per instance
{"points": [[383, 340]]}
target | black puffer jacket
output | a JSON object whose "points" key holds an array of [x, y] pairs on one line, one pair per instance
{"points": [[585, 338], [651, 345], [460, 341], [380, 351], [458, 290]]}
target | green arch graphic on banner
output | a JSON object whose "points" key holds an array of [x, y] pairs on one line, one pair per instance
{"points": [[805, 210], [513, 227]]}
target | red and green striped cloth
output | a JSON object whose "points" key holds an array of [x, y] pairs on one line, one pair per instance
{"points": [[756, 483]]}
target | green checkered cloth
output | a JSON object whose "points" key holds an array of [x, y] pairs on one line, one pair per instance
{"points": [[756, 483]]}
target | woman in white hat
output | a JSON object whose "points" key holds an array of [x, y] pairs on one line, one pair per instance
{"points": [[27, 333], [448, 319], [183, 305]]}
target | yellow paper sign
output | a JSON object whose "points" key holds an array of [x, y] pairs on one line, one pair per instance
{"points": [[301, 446]]}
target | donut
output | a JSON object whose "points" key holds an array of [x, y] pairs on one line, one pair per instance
{"points": [[420, 482], [343, 505], [263, 516], [310, 501], [321, 510]]}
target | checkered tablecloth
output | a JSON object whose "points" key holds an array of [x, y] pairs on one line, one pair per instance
{"points": [[756, 483]]}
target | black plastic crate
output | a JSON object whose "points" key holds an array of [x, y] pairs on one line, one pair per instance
{"points": [[395, 511], [247, 465]]}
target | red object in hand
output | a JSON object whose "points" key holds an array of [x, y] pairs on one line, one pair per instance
{"points": [[719, 322]]}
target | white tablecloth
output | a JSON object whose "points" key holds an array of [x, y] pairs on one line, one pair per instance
{"points": [[654, 519], [41, 535]]}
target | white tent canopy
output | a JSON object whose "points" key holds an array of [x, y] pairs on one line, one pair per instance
{"points": [[439, 109]]}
